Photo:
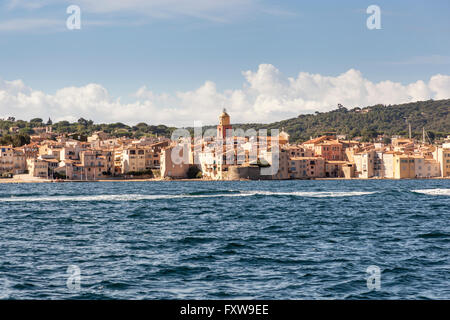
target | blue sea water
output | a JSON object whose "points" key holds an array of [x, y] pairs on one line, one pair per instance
{"points": [[225, 240]]}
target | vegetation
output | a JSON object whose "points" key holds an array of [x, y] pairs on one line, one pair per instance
{"points": [[16, 140], [367, 123], [140, 173], [194, 172], [79, 130]]}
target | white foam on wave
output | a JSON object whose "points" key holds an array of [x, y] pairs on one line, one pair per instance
{"points": [[119, 197], [434, 192], [316, 194], [139, 197]]}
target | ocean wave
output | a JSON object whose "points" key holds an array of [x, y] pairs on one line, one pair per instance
{"points": [[119, 197], [433, 192], [139, 197], [316, 194]]}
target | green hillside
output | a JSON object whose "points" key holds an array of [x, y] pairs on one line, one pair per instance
{"points": [[369, 122], [366, 123]]}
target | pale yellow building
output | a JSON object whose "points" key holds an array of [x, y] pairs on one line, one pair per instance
{"points": [[404, 166], [12, 160], [37, 168], [443, 157]]}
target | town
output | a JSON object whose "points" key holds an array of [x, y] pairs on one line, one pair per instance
{"points": [[222, 155]]}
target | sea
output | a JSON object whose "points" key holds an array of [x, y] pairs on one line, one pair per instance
{"points": [[296, 239]]}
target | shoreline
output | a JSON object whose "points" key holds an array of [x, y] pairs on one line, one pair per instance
{"points": [[18, 181]]}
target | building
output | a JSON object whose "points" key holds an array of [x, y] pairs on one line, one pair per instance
{"points": [[38, 168], [139, 158], [442, 155], [426, 168], [330, 150], [364, 164], [12, 160], [133, 159], [388, 164], [224, 125], [6, 159], [95, 164], [306, 167], [335, 169], [173, 166], [404, 166]]}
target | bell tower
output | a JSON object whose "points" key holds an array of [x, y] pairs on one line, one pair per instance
{"points": [[224, 125]]}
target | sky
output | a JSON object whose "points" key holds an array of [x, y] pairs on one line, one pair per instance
{"points": [[174, 62]]}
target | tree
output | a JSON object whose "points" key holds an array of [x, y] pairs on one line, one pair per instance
{"points": [[49, 122], [83, 122], [36, 122], [26, 131], [19, 140], [193, 172]]}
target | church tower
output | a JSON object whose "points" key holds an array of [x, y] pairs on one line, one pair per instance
{"points": [[224, 125]]}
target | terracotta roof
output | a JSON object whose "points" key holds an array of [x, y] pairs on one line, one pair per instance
{"points": [[316, 140], [307, 158]]}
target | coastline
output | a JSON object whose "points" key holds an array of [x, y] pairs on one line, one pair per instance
{"points": [[9, 181]]}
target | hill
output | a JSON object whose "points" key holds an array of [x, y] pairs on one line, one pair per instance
{"points": [[367, 123]]}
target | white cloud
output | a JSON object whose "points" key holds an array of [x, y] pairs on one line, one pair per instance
{"points": [[266, 96], [31, 24], [118, 12], [216, 10]]}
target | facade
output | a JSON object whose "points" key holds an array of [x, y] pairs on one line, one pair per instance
{"points": [[404, 166], [133, 160], [426, 168], [443, 157], [171, 168], [6, 159], [306, 167], [12, 160], [335, 169], [95, 164], [388, 164], [37, 168], [224, 125], [330, 150], [364, 164]]}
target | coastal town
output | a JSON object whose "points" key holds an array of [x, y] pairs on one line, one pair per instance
{"points": [[223, 155]]}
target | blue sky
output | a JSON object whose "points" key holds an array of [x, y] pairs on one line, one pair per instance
{"points": [[176, 46]]}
